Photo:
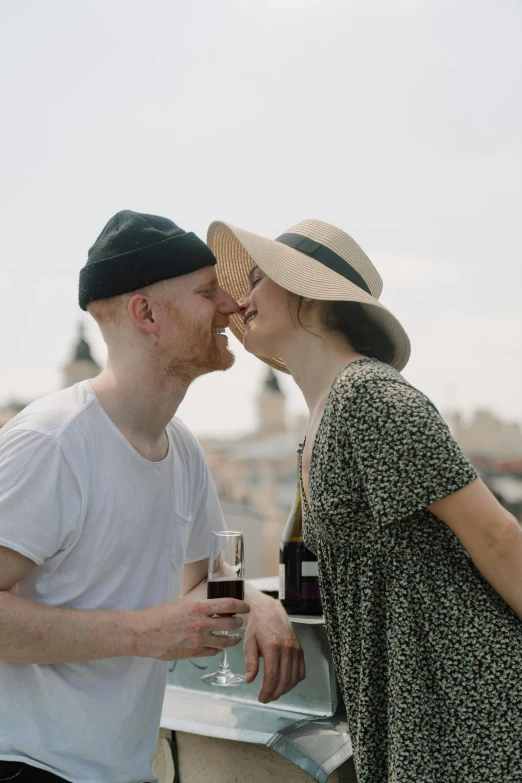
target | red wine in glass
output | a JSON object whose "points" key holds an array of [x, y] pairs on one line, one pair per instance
{"points": [[226, 571], [226, 587]]}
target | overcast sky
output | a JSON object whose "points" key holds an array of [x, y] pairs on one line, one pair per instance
{"points": [[399, 121]]}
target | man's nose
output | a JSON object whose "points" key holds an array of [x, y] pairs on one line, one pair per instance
{"points": [[229, 304]]}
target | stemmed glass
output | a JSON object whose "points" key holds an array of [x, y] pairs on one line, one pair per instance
{"points": [[226, 570]]}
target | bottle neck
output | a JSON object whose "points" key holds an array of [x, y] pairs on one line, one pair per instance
{"points": [[293, 532]]}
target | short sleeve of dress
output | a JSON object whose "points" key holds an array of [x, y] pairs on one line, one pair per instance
{"points": [[402, 447]]}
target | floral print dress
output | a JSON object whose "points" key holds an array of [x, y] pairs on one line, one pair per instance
{"points": [[428, 655]]}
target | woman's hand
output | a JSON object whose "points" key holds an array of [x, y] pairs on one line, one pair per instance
{"points": [[270, 635]]}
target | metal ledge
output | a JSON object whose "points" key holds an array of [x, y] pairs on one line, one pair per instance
{"points": [[307, 725]]}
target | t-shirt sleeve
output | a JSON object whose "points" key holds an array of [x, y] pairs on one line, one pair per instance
{"points": [[404, 451], [207, 517], [40, 501]]}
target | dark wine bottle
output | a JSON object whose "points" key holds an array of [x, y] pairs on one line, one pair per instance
{"points": [[298, 571]]}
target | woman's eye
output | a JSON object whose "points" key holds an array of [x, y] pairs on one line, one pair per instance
{"points": [[255, 281]]}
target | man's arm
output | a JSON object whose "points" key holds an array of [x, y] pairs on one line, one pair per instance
{"points": [[195, 580], [269, 634], [491, 535], [37, 633]]}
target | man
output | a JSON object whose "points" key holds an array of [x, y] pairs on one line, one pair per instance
{"points": [[106, 510]]}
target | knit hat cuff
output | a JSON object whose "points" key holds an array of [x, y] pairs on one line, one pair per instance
{"points": [[116, 275]]}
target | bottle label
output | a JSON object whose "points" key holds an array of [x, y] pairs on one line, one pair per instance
{"points": [[282, 573], [311, 591], [308, 568]]}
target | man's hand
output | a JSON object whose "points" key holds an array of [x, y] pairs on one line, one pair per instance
{"points": [[270, 634], [186, 629]]}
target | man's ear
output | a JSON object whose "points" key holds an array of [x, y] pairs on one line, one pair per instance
{"points": [[143, 311]]}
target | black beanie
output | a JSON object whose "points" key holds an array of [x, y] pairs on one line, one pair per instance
{"points": [[135, 250]]}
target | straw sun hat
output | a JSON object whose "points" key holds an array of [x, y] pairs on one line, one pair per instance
{"points": [[311, 259]]}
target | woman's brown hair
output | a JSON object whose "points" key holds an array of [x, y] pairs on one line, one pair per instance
{"points": [[363, 334]]}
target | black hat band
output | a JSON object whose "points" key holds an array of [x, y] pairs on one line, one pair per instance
{"points": [[325, 256]]}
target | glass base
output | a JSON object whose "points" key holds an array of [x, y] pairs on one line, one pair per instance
{"points": [[224, 678]]}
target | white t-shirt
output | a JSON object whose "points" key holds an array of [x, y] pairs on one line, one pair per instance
{"points": [[108, 530]]}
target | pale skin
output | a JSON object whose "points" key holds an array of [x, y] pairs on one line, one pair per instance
{"points": [[490, 534], [159, 340]]}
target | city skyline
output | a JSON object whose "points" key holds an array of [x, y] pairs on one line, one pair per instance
{"points": [[248, 424]]}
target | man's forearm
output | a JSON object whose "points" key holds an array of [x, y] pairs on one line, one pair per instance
{"points": [[36, 633]]}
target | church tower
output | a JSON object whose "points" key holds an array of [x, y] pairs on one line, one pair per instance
{"points": [[82, 366], [271, 406]]}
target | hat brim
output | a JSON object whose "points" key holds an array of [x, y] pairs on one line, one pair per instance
{"points": [[237, 251]]}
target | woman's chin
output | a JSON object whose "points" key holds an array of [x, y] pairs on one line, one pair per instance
{"points": [[248, 344], [257, 347]]}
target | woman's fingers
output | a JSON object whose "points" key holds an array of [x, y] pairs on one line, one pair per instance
{"points": [[284, 682]]}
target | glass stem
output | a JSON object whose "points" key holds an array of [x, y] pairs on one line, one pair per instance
{"points": [[223, 666]]}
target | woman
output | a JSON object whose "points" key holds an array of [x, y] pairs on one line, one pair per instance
{"points": [[420, 566]]}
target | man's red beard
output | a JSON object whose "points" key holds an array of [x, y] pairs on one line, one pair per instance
{"points": [[199, 354]]}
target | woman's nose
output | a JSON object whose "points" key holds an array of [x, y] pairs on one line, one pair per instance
{"points": [[243, 302]]}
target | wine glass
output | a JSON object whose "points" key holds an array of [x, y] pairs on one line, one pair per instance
{"points": [[226, 567]]}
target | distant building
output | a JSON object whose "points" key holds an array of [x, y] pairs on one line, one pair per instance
{"points": [[271, 407], [80, 367], [486, 436], [495, 449], [258, 473], [10, 410]]}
